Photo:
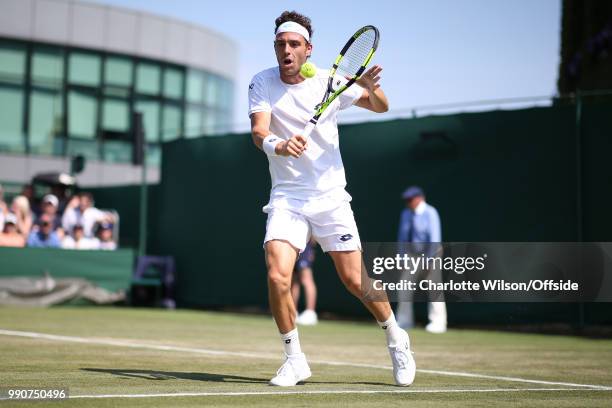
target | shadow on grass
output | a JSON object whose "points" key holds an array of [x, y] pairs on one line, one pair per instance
{"points": [[173, 375], [209, 377]]}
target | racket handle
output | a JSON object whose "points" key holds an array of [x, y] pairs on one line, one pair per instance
{"points": [[308, 130]]}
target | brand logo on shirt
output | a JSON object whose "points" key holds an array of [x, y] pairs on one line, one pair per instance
{"points": [[345, 237], [251, 86], [287, 341]]}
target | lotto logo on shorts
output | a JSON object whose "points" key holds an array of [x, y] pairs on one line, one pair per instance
{"points": [[345, 237]]}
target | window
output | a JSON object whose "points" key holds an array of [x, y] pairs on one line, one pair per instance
{"points": [[88, 148], [153, 155], [11, 116], [82, 114], [227, 95], [115, 115], [47, 67], [45, 122], [173, 83], [147, 78], [150, 112], [193, 121], [84, 69], [117, 151], [195, 86], [212, 90], [13, 66], [118, 72], [210, 122], [78, 101], [171, 122]]}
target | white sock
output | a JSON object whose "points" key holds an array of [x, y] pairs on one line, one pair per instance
{"points": [[291, 342], [394, 333]]}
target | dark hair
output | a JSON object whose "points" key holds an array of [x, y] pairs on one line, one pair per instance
{"points": [[86, 194], [295, 17]]}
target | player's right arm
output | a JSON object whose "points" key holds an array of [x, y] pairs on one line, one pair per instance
{"points": [[260, 129]]}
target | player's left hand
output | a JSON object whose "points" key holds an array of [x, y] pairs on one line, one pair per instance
{"points": [[369, 79]]}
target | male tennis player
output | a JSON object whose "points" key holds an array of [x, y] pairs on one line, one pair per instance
{"points": [[308, 195]]}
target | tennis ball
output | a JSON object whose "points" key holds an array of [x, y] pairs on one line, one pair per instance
{"points": [[308, 70]]}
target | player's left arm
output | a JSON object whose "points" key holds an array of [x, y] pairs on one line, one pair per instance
{"points": [[373, 97]]}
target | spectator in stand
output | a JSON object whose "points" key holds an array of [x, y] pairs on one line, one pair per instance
{"points": [[78, 240], [28, 192], [104, 233], [81, 210], [43, 236], [49, 206], [20, 206], [61, 192], [10, 237]]}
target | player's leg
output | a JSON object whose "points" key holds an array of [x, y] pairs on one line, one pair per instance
{"points": [[286, 235], [349, 266], [336, 232], [280, 258]]}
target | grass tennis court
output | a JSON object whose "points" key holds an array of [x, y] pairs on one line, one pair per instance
{"points": [[189, 358]]}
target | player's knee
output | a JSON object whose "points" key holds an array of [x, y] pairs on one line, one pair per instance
{"points": [[353, 285], [279, 280]]}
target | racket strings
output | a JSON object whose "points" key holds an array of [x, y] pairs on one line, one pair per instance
{"points": [[357, 53]]}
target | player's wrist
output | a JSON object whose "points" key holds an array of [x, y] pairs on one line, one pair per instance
{"points": [[271, 143]]}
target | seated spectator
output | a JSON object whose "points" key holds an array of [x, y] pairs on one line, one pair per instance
{"points": [[49, 206], [78, 240], [104, 233], [20, 206], [61, 192], [10, 237], [28, 192], [43, 236], [81, 210]]}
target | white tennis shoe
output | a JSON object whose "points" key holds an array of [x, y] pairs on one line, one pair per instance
{"points": [[436, 328], [404, 366], [294, 369], [307, 318]]}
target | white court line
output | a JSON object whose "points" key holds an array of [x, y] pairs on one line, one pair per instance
{"points": [[323, 392], [121, 343]]}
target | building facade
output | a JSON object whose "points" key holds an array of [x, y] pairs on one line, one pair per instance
{"points": [[72, 73]]}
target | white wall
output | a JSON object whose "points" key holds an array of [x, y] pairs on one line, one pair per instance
{"points": [[113, 29], [21, 169]]}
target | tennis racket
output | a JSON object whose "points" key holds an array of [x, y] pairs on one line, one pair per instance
{"points": [[348, 67]]}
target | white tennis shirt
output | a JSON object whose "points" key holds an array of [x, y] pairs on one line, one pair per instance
{"points": [[319, 172]]}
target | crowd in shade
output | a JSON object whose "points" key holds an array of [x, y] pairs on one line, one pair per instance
{"points": [[74, 223]]}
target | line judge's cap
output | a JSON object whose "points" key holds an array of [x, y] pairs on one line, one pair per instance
{"points": [[411, 192]]}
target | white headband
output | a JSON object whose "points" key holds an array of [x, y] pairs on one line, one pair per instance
{"points": [[293, 27]]}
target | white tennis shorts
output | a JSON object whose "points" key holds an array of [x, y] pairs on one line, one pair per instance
{"points": [[333, 228]]}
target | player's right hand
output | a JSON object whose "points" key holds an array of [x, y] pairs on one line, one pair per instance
{"points": [[293, 147]]}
